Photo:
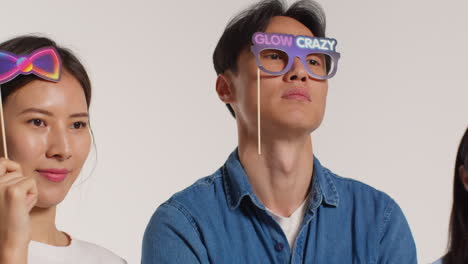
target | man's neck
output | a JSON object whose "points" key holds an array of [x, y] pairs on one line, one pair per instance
{"points": [[281, 175], [43, 227]]}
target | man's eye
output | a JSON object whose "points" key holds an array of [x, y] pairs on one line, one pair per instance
{"points": [[314, 62], [37, 122], [273, 56]]}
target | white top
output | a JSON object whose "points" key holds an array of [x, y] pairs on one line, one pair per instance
{"points": [[439, 261], [78, 252], [291, 225]]}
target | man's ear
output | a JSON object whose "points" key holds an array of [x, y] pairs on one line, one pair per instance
{"points": [[463, 176], [224, 88]]}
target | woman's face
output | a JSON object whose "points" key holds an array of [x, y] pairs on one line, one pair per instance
{"points": [[47, 134]]}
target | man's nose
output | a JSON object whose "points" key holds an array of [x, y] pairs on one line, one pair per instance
{"points": [[297, 71]]}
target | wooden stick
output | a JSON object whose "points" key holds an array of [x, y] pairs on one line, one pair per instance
{"points": [[4, 145], [258, 112]]}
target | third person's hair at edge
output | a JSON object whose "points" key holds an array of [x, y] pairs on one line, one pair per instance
{"points": [[458, 229]]}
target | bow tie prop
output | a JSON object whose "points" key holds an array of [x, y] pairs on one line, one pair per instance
{"points": [[45, 63]]}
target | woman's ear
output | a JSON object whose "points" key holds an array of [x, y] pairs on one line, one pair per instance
{"points": [[224, 88]]}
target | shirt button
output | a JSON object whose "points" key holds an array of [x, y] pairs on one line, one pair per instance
{"points": [[279, 246]]}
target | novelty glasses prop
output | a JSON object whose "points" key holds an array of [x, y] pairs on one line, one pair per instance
{"points": [[275, 55]]}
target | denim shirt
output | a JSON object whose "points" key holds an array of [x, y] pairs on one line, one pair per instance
{"points": [[219, 219]]}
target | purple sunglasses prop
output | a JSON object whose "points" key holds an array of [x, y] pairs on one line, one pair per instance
{"points": [[275, 54]]}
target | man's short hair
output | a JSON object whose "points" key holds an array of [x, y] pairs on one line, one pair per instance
{"points": [[238, 33]]}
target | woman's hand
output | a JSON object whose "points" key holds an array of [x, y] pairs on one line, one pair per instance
{"points": [[18, 195]]}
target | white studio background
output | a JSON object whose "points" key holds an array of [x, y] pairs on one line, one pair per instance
{"points": [[396, 109]]}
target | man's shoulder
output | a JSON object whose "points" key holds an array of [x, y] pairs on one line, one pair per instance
{"points": [[350, 189], [360, 200], [203, 188], [175, 228], [373, 213], [195, 199]]}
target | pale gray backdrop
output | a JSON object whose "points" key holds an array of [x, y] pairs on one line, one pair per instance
{"points": [[396, 109]]}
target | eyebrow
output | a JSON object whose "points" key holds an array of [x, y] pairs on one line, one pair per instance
{"points": [[84, 114], [45, 112]]}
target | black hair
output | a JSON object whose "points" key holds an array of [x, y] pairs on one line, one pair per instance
{"points": [[458, 229], [237, 34], [24, 45]]}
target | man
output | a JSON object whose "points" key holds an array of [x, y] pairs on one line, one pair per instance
{"points": [[281, 206]]}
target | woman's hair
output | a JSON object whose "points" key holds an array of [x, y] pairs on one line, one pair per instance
{"points": [[25, 45], [458, 229]]}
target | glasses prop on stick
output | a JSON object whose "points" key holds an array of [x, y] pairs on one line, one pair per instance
{"points": [[275, 55]]}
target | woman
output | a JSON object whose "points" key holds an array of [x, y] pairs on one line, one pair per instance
{"points": [[458, 230], [48, 139]]}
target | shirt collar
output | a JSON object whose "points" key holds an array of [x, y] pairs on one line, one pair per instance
{"points": [[237, 185]]}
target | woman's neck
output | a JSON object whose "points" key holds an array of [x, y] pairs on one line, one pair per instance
{"points": [[43, 227]]}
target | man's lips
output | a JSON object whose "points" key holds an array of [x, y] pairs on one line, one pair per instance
{"points": [[54, 175], [297, 93]]}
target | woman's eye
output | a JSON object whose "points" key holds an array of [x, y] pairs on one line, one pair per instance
{"points": [[36, 122], [78, 125]]}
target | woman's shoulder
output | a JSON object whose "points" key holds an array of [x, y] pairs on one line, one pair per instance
{"points": [[78, 251], [92, 250]]}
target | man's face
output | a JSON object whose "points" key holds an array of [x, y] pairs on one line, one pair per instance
{"points": [[292, 103]]}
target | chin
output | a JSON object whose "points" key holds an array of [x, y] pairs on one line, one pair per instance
{"points": [[46, 200], [294, 113], [50, 196], [298, 121]]}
